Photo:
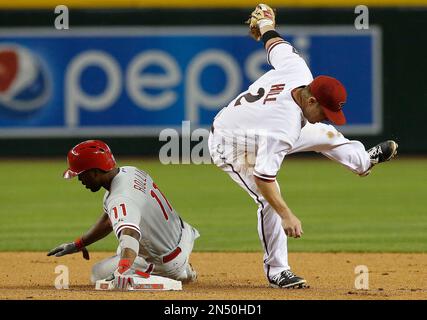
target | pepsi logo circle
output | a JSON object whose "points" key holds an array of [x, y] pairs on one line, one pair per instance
{"points": [[25, 84]]}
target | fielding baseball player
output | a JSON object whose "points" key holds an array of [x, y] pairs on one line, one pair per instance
{"points": [[279, 114], [153, 239]]}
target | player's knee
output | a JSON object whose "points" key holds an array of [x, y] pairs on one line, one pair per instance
{"points": [[100, 272], [188, 275], [103, 269], [363, 160], [95, 274]]}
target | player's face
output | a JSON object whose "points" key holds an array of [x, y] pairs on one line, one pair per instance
{"points": [[313, 112], [91, 179]]}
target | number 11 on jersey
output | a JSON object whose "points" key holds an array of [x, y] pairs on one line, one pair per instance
{"points": [[116, 213]]}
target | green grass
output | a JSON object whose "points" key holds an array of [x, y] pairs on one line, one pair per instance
{"points": [[385, 212]]}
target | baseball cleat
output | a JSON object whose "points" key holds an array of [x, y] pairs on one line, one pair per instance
{"points": [[383, 152], [287, 280]]}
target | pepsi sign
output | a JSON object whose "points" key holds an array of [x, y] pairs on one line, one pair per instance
{"points": [[137, 81]]}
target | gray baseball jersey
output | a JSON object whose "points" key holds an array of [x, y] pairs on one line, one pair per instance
{"points": [[134, 201]]}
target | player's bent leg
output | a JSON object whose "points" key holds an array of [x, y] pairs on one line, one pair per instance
{"points": [[179, 268], [352, 155], [189, 275], [189, 235], [325, 139], [104, 268], [183, 272]]}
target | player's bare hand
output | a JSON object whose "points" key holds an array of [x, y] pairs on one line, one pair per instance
{"points": [[292, 226]]}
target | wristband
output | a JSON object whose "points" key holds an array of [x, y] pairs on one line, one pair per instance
{"points": [[79, 243], [269, 35], [265, 22], [124, 264]]}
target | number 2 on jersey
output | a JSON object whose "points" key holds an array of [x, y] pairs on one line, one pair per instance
{"points": [[249, 97], [156, 196]]}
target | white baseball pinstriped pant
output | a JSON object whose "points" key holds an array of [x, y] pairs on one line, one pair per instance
{"points": [[177, 269], [317, 137]]}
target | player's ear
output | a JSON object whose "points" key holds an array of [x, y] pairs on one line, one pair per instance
{"points": [[312, 100]]}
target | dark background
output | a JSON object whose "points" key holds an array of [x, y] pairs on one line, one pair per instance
{"points": [[404, 52]]}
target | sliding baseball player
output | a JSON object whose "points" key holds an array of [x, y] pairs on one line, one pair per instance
{"points": [[153, 239]]}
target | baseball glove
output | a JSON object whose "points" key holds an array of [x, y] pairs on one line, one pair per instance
{"points": [[262, 15]]}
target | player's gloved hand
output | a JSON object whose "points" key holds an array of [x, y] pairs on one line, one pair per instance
{"points": [[69, 248], [292, 226], [121, 280], [262, 16], [124, 276]]}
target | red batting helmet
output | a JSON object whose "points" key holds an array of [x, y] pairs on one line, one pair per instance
{"points": [[87, 155]]}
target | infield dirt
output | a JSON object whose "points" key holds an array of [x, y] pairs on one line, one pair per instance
{"points": [[31, 275]]}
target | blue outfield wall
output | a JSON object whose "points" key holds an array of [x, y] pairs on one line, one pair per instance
{"points": [[124, 82]]}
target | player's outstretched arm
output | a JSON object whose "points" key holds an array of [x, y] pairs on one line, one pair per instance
{"points": [[281, 54], [100, 230], [269, 190], [69, 248], [263, 20]]}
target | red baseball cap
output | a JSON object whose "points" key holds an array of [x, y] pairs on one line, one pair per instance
{"points": [[332, 96], [87, 155]]}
